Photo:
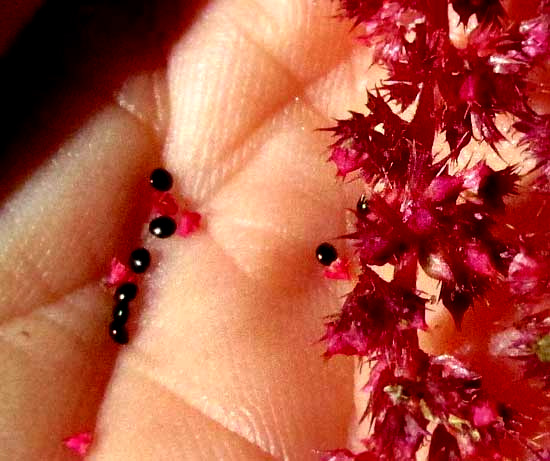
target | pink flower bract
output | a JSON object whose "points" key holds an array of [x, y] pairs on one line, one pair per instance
{"points": [[188, 223], [338, 270], [119, 273], [79, 443], [164, 203]]}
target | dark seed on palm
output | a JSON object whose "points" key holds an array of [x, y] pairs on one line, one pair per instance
{"points": [[161, 180], [118, 333], [121, 312], [162, 227], [326, 254], [126, 292], [140, 260]]}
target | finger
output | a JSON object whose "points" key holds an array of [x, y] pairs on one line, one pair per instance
{"points": [[59, 231], [231, 314], [68, 64]]}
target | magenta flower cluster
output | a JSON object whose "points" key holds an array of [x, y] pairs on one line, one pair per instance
{"points": [[419, 213]]}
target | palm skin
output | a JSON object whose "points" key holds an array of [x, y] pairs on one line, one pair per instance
{"points": [[223, 361]]}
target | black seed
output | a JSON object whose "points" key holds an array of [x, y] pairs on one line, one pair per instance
{"points": [[140, 260], [363, 205], [126, 292], [121, 313], [326, 254], [161, 180], [118, 333], [162, 227]]}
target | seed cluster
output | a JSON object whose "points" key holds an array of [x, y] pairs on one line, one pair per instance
{"points": [[325, 253], [139, 262]]}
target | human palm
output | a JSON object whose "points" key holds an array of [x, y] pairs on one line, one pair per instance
{"points": [[222, 361]]}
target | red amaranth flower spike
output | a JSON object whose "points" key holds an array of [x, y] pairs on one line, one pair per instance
{"points": [[383, 141], [478, 83], [453, 225], [374, 318], [405, 398], [536, 130], [452, 241], [469, 86], [399, 433]]}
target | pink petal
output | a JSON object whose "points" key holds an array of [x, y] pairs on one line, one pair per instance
{"points": [[479, 260], [443, 188], [164, 204], [421, 221], [484, 414], [338, 270], [79, 443], [453, 368], [436, 266], [536, 31], [473, 177], [348, 342], [525, 274], [346, 160], [469, 89], [189, 223], [118, 274]]}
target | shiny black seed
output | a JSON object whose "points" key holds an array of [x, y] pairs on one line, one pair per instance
{"points": [[161, 180], [162, 227], [140, 260], [121, 313], [326, 254], [363, 205], [126, 292], [118, 333]]}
